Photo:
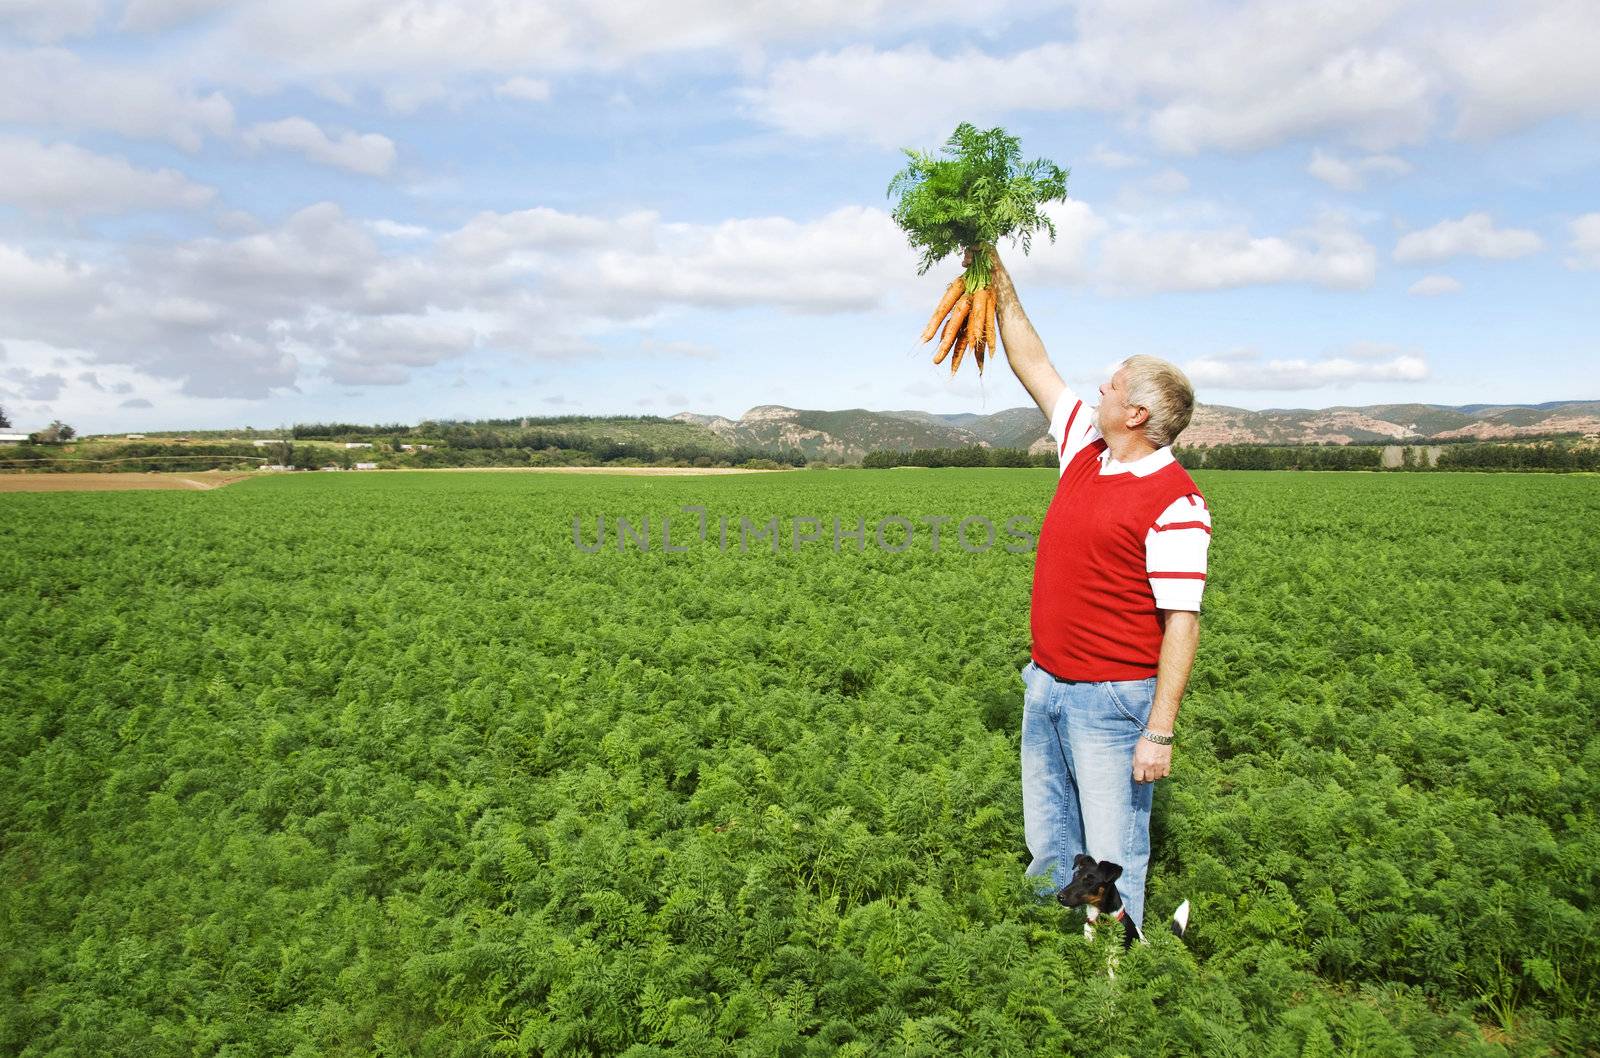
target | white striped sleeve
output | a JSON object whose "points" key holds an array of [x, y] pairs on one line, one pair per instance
{"points": [[1175, 553], [1072, 426]]}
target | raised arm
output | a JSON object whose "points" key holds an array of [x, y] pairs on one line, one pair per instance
{"points": [[1024, 351]]}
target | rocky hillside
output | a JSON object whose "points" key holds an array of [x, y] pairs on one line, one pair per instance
{"points": [[850, 434], [1390, 423], [837, 435]]}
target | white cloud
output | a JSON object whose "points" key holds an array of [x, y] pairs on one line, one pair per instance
{"points": [[1302, 374], [251, 314], [679, 348], [48, 86], [1109, 158], [1432, 286], [29, 283], [263, 308], [1585, 245], [368, 153], [1351, 174], [527, 89], [1371, 351], [1195, 75], [1069, 258], [149, 16], [1473, 235], [381, 351], [71, 180], [47, 21], [494, 235], [92, 395], [22, 383], [1374, 99], [909, 94], [1535, 60], [393, 229], [1236, 75], [1328, 254], [842, 262], [1167, 182], [558, 35], [408, 95]]}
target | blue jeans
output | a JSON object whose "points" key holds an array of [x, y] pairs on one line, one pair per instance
{"points": [[1078, 793]]}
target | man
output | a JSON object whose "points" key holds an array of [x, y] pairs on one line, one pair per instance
{"points": [[1118, 575]]}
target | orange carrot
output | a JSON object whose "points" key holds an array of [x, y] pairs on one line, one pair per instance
{"points": [[944, 344], [992, 324], [978, 322], [982, 308], [952, 328], [956, 288], [961, 348]]}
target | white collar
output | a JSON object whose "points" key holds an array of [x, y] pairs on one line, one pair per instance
{"points": [[1142, 467]]}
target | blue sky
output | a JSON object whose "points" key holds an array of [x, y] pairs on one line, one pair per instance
{"points": [[221, 214]]}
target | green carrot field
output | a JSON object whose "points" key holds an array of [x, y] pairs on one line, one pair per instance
{"points": [[387, 764]]}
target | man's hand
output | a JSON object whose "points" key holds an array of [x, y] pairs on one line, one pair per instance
{"points": [[1150, 761]]}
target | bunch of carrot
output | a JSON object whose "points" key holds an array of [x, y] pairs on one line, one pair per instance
{"points": [[977, 193], [968, 319]]}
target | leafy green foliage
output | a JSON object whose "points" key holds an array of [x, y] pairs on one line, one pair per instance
{"points": [[1274, 457], [979, 193], [970, 456], [349, 765]]}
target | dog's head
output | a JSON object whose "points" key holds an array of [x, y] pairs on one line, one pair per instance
{"points": [[1092, 884]]}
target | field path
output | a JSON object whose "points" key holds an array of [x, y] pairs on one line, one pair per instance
{"points": [[627, 471], [123, 482]]}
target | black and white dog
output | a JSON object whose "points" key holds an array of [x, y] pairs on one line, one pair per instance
{"points": [[1093, 887]]}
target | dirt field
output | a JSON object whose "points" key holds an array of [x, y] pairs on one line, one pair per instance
{"points": [[634, 471], [114, 482], [208, 480]]}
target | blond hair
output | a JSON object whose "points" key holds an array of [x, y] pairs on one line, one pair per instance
{"points": [[1165, 391]]}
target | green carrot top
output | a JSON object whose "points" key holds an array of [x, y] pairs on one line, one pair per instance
{"points": [[980, 192]]}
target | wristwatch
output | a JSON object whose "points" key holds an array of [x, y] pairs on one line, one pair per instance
{"points": [[1160, 740]]}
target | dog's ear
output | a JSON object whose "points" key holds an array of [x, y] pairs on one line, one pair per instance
{"points": [[1080, 861], [1111, 871]]}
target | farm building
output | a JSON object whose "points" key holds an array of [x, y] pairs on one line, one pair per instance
{"points": [[8, 438], [366, 466], [358, 444]]}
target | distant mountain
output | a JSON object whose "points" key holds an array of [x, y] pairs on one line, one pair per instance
{"points": [[850, 434], [841, 435], [1389, 423], [1012, 428]]}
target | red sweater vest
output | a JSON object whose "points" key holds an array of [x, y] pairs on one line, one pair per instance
{"points": [[1094, 616]]}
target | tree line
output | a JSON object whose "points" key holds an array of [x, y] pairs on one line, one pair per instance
{"points": [[1287, 457], [1546, 455], [968, 456], [349, 431]]}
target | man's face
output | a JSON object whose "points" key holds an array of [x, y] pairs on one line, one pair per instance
{"points": [[1114, 409]]}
